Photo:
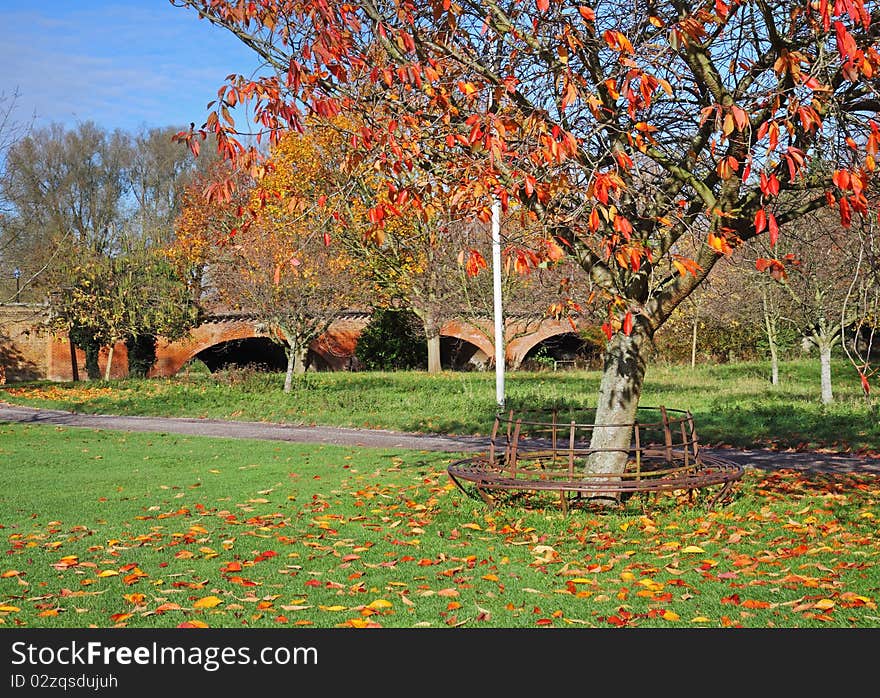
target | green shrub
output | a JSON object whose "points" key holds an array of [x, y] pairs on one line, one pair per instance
{"points": [[392, 340]]}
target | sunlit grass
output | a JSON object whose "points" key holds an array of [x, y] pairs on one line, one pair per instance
{"points": [[155, 530], [732, 403]]}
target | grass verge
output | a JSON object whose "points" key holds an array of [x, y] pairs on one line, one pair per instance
{"points": [[733, 404], [109, 529]]}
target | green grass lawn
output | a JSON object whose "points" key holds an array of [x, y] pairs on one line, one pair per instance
{"points": [[154, 530], [732, 403]]}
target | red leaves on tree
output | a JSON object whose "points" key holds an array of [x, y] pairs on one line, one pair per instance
{"points": [[475, 262]]}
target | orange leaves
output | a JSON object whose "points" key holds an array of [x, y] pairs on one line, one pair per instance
{"points": [[587, 13], [604, 185], [685, 265], [475, 262], [617, 41], [775, 267], [719, 244], [727, 167]]}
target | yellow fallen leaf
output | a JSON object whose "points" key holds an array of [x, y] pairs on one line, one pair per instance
{"points": [[701, 619], [490, 577], [472, 526], [671, 615], [208, 602], [9, 573], [692, 549], [824, 604], [108, 573], [332, 608], [627, 576], [379, 603], [9, 609]]}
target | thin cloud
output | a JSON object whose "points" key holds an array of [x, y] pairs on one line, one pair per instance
{"points": [[122, 65]]}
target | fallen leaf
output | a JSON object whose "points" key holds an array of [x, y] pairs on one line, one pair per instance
{"points": [[193, 624], [208, 602], [379, 603]]}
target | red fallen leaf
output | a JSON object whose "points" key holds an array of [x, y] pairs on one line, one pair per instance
{"points": [[193, 624], [616, 621], [544, 621], [313, 583], [750, 603], [119, 617], [167, 607], [280, 619], [733, 598], [231, 567]]}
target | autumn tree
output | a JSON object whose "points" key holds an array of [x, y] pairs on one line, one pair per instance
{"points": [[818, 277], [624, 127], [279, 265], [133, 296]]}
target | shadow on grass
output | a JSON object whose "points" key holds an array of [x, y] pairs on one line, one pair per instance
{"points": [[786, 426]]}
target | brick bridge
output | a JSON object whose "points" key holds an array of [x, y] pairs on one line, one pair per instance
{"points": [[27, 353]]}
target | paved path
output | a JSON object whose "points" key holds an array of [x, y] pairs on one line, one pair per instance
{"points": [[378, 438]]}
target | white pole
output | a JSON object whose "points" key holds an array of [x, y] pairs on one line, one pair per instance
{"points": [[496, 295]]}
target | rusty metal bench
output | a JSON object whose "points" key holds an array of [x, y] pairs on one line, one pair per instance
{"points": [[541, 452]]}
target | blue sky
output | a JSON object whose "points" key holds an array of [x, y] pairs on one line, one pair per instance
{"points": [[120, 63]]}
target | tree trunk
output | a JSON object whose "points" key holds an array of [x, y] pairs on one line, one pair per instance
{"points": [[299, 365], [93, 370], [774, 363], [291, 366], [74, 365], [433, 352], [109, 362], [770, 326], [825, 363], [619, 392]]}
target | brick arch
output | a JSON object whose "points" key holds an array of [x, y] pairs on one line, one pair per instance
{"points": [[465, 331], [171, 356], [519, 347], [335, 347]]}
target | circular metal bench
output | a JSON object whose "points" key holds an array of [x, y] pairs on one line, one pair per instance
{"points": [[540, 451]]}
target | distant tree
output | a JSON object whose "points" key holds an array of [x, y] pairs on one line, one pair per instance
{"points": [[279, 265], [134, 296], [159, 173], [66, 193], [816, 273]]}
